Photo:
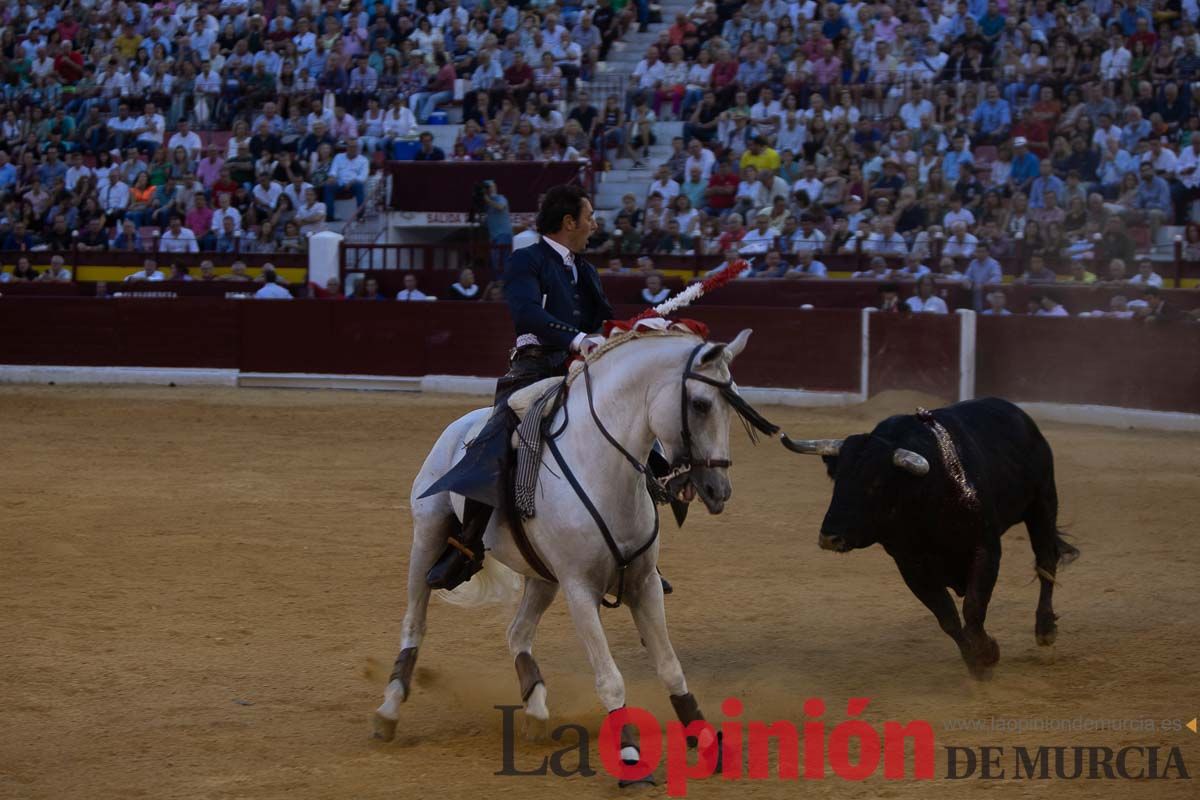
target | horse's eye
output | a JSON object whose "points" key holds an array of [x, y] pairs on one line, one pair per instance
{"points": [[701, 406]]}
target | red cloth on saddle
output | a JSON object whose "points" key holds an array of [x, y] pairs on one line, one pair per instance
{"points": [[655, 323]]}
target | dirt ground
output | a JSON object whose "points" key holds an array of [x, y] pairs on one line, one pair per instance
{"points": [[201, 591]]}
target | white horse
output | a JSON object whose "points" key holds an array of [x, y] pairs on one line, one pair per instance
{"points": [[670, 386]]}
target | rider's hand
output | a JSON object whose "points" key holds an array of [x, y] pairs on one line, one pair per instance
{"points": [[589, 344]]}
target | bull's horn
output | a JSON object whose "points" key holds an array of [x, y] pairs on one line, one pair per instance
{"points": [[816, 447], [910, 461]]}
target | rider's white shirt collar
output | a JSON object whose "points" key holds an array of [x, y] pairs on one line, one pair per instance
{"points": [[567, 256]]}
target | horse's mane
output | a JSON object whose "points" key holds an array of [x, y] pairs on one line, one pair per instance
{"points": [[618, 338]]}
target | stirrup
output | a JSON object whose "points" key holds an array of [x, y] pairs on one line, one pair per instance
{"points": [[457, 565]]}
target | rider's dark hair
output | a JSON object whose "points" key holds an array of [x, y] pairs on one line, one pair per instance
{"points": [[560, 202]]}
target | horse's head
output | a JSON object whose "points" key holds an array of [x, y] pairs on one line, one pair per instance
{"points": [[690, 416]]}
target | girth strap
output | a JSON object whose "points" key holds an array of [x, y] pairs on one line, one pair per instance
{"points": [[623, 562]]}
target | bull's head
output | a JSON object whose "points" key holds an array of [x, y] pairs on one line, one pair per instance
{"points": [[870, 480]]}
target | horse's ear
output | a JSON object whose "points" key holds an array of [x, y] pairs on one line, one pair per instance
{"points": [[713, 354], [735, 348]]}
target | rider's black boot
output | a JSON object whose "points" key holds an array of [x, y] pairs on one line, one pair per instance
{"points": [[464, 553]]}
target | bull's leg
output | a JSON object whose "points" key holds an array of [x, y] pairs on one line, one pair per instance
{"points": [[536, 599], [430, 530], [1041, 522], [931, 591], [647, 608], [981, 651]]}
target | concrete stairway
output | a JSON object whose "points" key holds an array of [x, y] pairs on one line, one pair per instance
{"points": [[623, 178]]}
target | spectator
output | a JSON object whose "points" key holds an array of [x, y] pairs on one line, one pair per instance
{"points": [[22, 272], [983, 270], [148, 272], [237, 272], [1146, 275], [465, 287], [179, 272], [178, 239], [427, 151], [889, 298], [961, 244], [271, 290], [1152, 201], [56, 272], [94, 237], [311, 214], [878, 270], [1038, 272], [654, 292], [349, 172], [926, 301], [410, 292], [499, 221], [1049, 307], [807, 266], [997, 304]]}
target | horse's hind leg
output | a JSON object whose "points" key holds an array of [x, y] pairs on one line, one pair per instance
{"points": [[537, 598], [649, 615], [430, 530]]}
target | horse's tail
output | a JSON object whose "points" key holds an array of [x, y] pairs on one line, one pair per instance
{"points": [[495, 583]]}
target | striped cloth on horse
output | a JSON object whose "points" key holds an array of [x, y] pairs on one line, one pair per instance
{"points": [[529, 452]]}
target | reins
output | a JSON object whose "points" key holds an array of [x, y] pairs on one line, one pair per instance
{"points": [[658, 485]]}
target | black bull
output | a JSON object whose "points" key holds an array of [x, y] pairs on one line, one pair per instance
{"points": [[937, 490]]}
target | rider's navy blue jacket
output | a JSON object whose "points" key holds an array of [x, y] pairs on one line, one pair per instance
{"points": [[545, 302]]}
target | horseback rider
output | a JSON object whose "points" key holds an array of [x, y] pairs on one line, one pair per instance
{"points": [[556, 301]]}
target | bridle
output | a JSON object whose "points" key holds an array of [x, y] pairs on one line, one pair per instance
{"points": [[682, 465]]}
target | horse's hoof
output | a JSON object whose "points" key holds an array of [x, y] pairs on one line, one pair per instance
{"points": [[536, 730], [1046, 637], [385, 729]]}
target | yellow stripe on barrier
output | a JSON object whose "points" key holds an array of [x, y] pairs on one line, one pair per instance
{"points": [[118, 274]]}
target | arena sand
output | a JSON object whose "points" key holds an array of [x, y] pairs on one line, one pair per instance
{"points": [[201, 591]]}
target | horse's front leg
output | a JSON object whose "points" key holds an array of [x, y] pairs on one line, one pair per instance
{"points": [[649, 614], [584, 604]]}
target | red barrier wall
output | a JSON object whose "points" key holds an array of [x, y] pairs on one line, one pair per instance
{"points": [[1109, 362], [915, 351], [1102, 361], [813, 350], [80, 331]]}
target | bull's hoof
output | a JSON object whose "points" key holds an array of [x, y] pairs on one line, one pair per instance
{"points": [[981, 672], [1045, 631], [981, 657], [385, 729]]}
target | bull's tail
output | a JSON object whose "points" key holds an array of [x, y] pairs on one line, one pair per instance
{"points": [[1067, 552]]}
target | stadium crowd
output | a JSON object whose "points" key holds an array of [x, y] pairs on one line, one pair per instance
{"points": [[943, 137], [235, 126]]}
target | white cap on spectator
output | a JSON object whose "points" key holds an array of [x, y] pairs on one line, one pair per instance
{"points": [[1020, 141]]}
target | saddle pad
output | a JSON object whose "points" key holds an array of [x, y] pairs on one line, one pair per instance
{"points": [[521, 400], [529, 446]]}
